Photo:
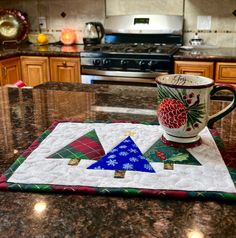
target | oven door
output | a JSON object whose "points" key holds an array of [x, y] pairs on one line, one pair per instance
{"points": [[95, 76]]}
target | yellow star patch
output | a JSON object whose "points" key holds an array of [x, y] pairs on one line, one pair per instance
{"points": [[130, 133]]}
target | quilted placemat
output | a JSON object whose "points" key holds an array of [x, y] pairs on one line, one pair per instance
{"points": [[121, 158]]}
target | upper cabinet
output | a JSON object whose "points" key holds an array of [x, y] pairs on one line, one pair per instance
{"points": [[65, 69], [10, 71]]}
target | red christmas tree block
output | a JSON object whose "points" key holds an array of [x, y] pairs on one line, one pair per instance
{"points": [[87, 146]]}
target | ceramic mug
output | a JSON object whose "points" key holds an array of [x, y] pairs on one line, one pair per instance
{"points": [[183, 102]]}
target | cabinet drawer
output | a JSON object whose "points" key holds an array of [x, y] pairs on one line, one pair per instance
{"points": [[226, 72], [194, 67]]}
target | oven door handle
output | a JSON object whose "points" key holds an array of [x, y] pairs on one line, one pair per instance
{"points": [[123, 73]]}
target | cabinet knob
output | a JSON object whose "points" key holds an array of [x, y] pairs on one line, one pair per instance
{"points": [[64, 64]]}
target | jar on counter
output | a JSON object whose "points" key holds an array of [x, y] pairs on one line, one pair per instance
{"points": [[196, 40]]}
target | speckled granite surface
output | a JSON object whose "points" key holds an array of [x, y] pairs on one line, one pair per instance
{"points": [[40, 50], [26, 113], [213, 54]]}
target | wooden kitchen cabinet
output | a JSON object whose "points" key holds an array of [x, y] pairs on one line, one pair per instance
{"points": [[35, 70], [195, 67], [225, 72], [64, 69], [10, 71]]}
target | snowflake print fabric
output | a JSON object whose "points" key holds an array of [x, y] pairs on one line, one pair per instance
{"points": [[125, 156]]}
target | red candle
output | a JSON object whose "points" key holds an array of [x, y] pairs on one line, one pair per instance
{"points": [[68, 36]]}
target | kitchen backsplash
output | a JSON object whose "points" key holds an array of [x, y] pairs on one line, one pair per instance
{"points": [[59, 14], [74, 13], [223, 22]]}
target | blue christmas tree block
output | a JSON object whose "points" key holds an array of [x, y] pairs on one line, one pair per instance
{"points": [[125, 156]]}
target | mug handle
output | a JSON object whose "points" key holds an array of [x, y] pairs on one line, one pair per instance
{"points": [[217, 116]]}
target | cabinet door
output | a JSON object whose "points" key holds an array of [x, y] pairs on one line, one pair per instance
{"points": [[10, 70], [65, 69], [226, 72], [35, 70], [195, 68]]}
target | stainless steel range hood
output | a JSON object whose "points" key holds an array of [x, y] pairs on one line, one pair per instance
{"points": [[144, 24]]}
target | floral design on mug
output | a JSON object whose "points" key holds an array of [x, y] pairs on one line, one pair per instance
{"points": [[178, 108]]}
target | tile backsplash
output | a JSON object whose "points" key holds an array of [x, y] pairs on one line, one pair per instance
{"points": [[74, 13], [223, 23], [124, 7]]}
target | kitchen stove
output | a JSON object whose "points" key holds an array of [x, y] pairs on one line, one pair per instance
{"points": [[131, 57]]}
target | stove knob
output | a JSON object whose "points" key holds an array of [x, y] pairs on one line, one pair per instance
{"points": [[106, 62], [142, 64], [151, 65], [96, 62], [124, 63]]}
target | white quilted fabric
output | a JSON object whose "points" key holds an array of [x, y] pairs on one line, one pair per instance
{"points": [[36, 169]]}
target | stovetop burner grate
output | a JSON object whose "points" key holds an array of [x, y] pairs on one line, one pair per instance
{"points": [[134, 48]]}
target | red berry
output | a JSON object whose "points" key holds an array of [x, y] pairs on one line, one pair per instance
{"points": [[196, 125], [189, 101], [188, 129], [159, 154], [191, 95]]}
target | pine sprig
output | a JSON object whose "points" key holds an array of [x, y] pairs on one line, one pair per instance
{"points": [[171, 93], [195, 114]]}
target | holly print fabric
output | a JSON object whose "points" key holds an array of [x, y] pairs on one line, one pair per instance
{"points": [[160, 152]]}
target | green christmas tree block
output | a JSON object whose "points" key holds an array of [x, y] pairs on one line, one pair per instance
{"points": [[160, 152]]}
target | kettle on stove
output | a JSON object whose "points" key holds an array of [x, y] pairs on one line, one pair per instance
{"points": [[93, 33]]}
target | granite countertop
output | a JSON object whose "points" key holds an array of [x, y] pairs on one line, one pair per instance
{"points": [[57, 50], [41, 50], [207, 54], [25, 113]]}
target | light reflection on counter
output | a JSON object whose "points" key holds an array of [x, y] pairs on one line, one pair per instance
{"points": [[70, 48], [195, 234], [40, 207]]}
